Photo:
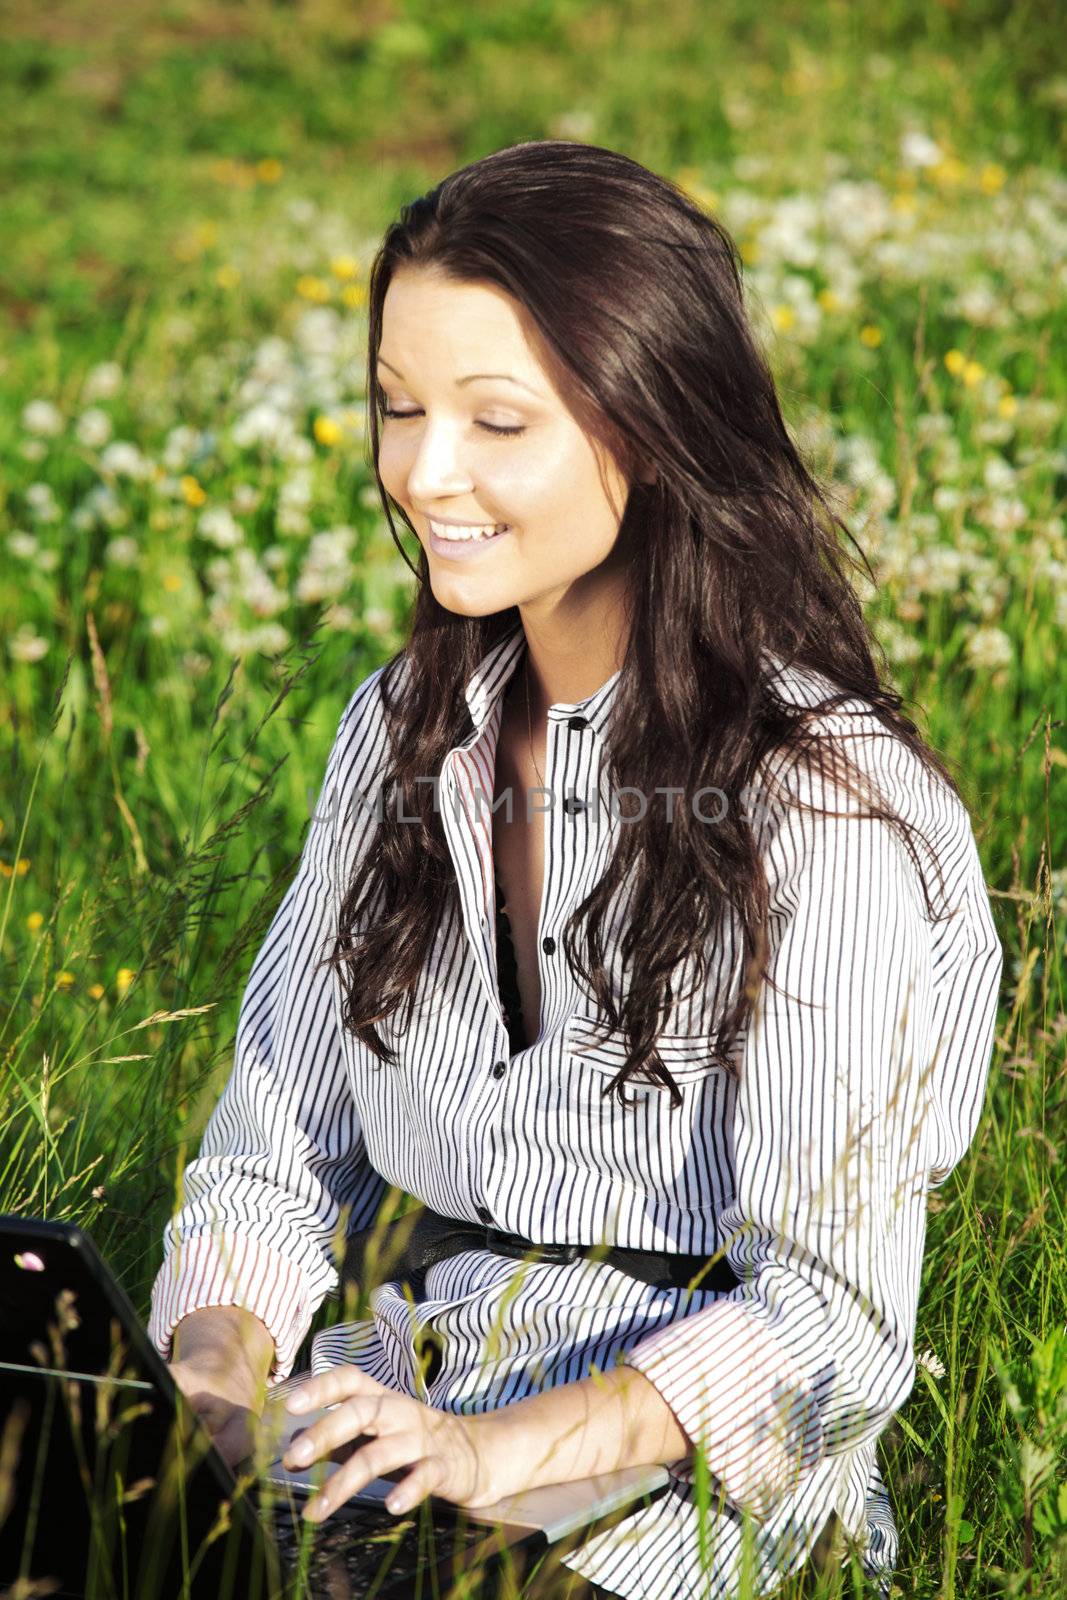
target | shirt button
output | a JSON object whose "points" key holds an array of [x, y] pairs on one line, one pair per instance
{"points": [[577, 724], [499, 1068], [484, 1214], [548, 946]]}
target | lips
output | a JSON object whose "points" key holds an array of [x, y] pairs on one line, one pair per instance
{"points": [[464, 549]]}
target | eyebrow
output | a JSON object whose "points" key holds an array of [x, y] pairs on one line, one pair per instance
{"points": [[471, 376]]}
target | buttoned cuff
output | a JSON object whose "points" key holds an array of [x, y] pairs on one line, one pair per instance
{"points": [[232, 1269]]}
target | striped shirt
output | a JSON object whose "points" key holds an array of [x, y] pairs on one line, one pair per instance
{"points": [[860, 1079]]}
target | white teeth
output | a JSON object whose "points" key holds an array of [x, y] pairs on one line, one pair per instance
{"points": [[440, 531]]}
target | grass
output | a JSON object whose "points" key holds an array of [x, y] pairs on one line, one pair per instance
{"points": [[196, 572]]}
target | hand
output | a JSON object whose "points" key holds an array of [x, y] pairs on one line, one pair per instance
{"points": [[220, 1364], [448, 1455]]}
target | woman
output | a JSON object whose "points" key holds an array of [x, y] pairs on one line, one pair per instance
{"points": [[755, 970]]}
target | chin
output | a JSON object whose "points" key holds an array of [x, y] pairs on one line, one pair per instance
{"points": [[451, 598]]}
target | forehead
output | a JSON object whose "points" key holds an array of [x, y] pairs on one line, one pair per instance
{"points": [[434, 325]]}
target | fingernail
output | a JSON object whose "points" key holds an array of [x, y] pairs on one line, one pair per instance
{"points": [[296, 1401], [300, 1453]]}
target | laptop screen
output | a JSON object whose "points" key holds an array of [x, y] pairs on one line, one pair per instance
{"points": [[112, 1486]]}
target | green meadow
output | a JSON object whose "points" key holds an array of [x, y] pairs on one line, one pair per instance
{"points": [[196, 572]]}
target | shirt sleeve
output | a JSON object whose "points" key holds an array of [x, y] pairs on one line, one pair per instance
{"points": [[283, 1151], [841, 1110]]}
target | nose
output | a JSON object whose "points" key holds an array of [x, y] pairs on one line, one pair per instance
{"points": [[437, 470]]}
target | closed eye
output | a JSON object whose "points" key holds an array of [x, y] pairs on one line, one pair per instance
{"points": [[490, 427]]}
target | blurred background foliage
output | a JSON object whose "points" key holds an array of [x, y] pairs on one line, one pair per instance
{"points": [[196, 570]]}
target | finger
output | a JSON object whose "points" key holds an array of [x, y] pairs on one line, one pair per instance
{"points": [[337, 1383], [375, 1460], [425, 1478], [367, 1415]]}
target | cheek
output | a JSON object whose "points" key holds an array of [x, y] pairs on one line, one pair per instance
{"points": [[392, 469]]}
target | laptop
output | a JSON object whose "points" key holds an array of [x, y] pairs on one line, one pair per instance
{"points": [[110, 1486]]}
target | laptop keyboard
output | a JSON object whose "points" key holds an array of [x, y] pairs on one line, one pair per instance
{"points": [[364, 1552]]}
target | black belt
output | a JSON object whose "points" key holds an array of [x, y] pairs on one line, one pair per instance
{"points": [[405, 1250]]}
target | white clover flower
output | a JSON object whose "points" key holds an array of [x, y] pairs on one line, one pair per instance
{"points": [[26, 645], [123, 551], [179, 447], [577, 124], [194, 663], [1002, 513], [22, 544], [246, 499], [292, 522], [93, 428], [931, 1362], [42, 417], [102, 505], [33, 449], [998, 473], [327, 569], [122, 459], [102, 383], [919, 150], [989, 647], [159, 626], [218, 525], [270, 638], [338, 617], [47, 560], [261, 424], [42, 502], [255, 587]]}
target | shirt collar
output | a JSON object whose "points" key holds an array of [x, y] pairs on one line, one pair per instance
{"points": [[486, 687]]}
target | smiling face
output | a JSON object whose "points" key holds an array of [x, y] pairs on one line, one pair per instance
{"points": [[489, 451]]}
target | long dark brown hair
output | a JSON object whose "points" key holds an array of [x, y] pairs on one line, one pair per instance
{"points": [[734, 555]]}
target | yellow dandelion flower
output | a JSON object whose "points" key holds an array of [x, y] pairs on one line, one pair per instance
{"points": [[34, 920], [22, 866], [327, 431], [206, 234], [949, 172], [172, 582], [1007, 405], [96, 991], [192, 493], [228, 276], [64, 980], [5, 870], [783, 318], [905, 203], [1, 824], [344, 267], [972, 373], [221, 169], [354, 295], [871, 336], [955, 361], [244, 176], [992, 178], [269, 170], [308, 287], [749, 252], [123, 979], [828, 300], [685, 177]]}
